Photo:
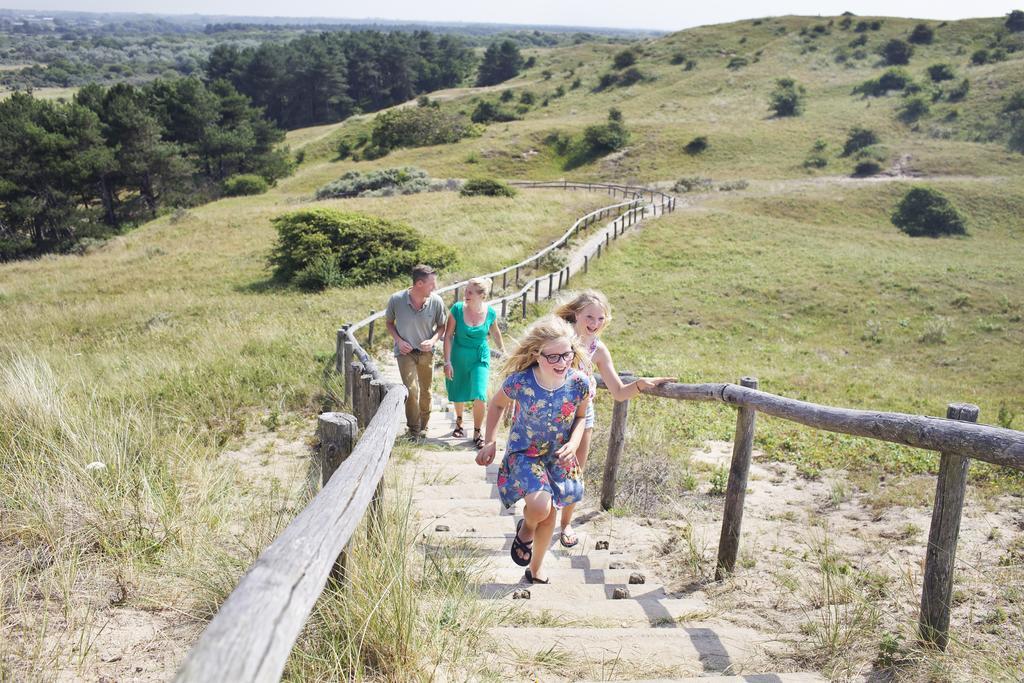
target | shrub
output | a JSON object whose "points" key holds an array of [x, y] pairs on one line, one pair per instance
{"points": [[1014, 103], [417, 127], [696, 145], [319, 248], [980, 57], [488, 112], [624, 59], [486, 187], [677, 58], [865, 168], [924, 211], [607, 137], [1015, 21], [897, 52], [858, 138], [788, 98], [245, 184], [630, 76], [958, 93], [940, 72], [913, 109], [859, 41], [507, 95], [731, 185], [692, 184], [691, 64], [893, 79], [923, 34], [737, 63], [528, 98], [606, 81], [403, 180]]}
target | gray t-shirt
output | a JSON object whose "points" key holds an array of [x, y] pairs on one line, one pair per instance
{"points": [[415, 326]]}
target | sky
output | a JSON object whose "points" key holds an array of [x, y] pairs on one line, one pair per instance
{"points": [[652, 14]]}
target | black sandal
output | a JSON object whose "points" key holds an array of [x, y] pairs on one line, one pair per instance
{"points": [[478, 439], [459, 432], [530, 578], [522, 551]]}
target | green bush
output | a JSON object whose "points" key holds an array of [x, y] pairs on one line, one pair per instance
{"points": [[893, 79], [488, 112], [913, 109], [897, 52], [245, 184], [865, 168], [941, 72], [319, 248], [624, 59], [692, 184], [696, 145], [384, 181], [980, 57], [923, 34], [417, 127], [958, 93], [788, 98], [678, 58], [606, 137], [737, 63], [631, 76], [486, 187], [926, 212], [859, 138], [1015, 21]]}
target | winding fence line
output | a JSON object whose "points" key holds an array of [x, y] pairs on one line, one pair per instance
{"points": [[254, 630], [252, 634]]}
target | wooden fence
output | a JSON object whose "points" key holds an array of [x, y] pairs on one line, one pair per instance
{"points": [[252, 634], [956, 438]]}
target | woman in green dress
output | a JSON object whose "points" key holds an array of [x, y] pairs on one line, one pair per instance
{"points": [[467, 356]]}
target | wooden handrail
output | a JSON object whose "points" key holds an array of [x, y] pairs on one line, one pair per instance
{"points": [[252, 634]]}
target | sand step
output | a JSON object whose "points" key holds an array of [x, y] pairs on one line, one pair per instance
{"points": [[636, 613], [683, 650], [595, 559], [796, 677]]}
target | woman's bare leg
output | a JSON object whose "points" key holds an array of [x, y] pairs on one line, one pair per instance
{"points": [[540, 516]]}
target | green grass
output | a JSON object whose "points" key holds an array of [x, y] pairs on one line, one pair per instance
{"points": [[814, 292], [160, 348]]}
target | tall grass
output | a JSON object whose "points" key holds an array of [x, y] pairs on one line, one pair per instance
{"points": [[404, 612]]}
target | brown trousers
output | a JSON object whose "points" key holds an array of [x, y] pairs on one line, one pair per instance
{"points": [[417, 371]]}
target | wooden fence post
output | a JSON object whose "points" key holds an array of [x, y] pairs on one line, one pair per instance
{"points": [[937, 588], [348, 351], [456, 299], [616, 443], [356, 370], [504, 281], [369, 335], [586, 264], [598, 250], [524, 305], [377, 390], [339, 350], [536, 290], [551, 280], [504, 308], [732, 518], [517, 276], [338, 434]]}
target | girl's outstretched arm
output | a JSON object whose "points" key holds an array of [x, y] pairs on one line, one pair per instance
{"points": [[496, 333], [495, 407], [618, 390]]}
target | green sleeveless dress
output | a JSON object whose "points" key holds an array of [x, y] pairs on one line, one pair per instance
{"points": [[471, 358]]}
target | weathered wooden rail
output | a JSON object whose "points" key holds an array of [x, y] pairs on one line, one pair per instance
{"points": [[955, 437], [252, 634]]}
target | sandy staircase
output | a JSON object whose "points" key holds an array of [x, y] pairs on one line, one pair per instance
{"points": [[604, 616]]}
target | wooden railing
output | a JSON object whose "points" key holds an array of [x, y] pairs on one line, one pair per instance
{"points": [[956, 438], [543, 286], [252, 634]]}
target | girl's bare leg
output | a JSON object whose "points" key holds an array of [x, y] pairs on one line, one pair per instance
{"points": [[540, 516], [581, 456]]}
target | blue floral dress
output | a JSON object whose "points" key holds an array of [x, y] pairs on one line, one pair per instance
{"points": [[542, 424]]}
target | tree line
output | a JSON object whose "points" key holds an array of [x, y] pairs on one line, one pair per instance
{"points": [[114, 156], [327, 77]]}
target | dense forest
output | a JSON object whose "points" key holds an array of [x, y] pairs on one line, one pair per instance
{"points": [[69, 49], [326, 77], [115, 156]]}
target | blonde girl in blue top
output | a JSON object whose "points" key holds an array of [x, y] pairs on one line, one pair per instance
{"points": [[589, 313], [539, 465]]}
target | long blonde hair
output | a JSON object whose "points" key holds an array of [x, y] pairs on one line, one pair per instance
{"points": [[568, 310], [538, 335]]}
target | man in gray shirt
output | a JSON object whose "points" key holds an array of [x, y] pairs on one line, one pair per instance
{"points": [[415, 319]]}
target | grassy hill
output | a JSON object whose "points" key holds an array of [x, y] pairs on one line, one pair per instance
{"points": [[157, 350]]}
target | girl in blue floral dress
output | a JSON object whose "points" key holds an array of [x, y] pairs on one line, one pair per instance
{"points": [[543, 375]]}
